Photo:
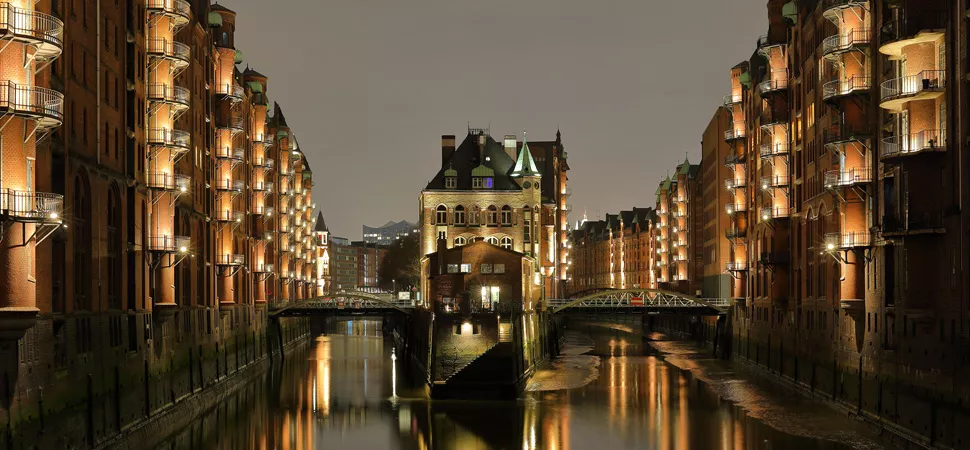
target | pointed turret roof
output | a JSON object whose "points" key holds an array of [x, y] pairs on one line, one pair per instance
{"points": [[525, 166], [321, 224], [252, 73]]}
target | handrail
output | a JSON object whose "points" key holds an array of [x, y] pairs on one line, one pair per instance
{"points": [[847, 239], [169, 243], [228, 215], [845, 41], [773, 85], [775, 212], [230, 259], [772, 181], [263, 162], [234, 122], [771, 116], [906, 27], [266, 186], [227, 153], [843, 132], [33, 100], [732, 208], [230, 90], [846, 86], [263, 268], [263, 209], [778, 149], [179, 8], [31, 205], [912, 85], [736, 266], [164, 92], [914, 143], [32, 24], [229, 185], [735, 132], [169, 137], [167, 181], [734, 183], [169, 49], [847, 177]]}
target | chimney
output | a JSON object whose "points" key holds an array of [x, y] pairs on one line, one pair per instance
{"points": [[447, 147], [440, 246], [511, 142]]}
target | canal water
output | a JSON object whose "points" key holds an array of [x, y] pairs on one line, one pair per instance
{"points": [[612, 388]]}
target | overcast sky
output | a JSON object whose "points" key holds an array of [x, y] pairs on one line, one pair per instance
{"points": [[369, 87]]}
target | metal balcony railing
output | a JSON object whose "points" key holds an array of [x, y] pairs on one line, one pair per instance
{"points": [[168, 181], [736, 266], [851, 85], [924, 141], [176, 95], [777, 212], [169, 244], [730, 100], [295, 155], [844, 240], [266, 163], [263, 186], [774, 181], [736, 132], [235, 154], [46, 32], [45, 105], [769, 86], [229, 185], [841, 4], [263, 268], [734, 208], [839, 43], [769, 150], [177, 52], [764, 43], [912, 85], [29, 206], [180, 10], [773, 116], [733, 159], [230, 260], [228, 215], [847, 177], [735, 183], [169, 138], [732, 233], [263, 210], [231, 90], [910, 26], [233, 122], [839, 133]]}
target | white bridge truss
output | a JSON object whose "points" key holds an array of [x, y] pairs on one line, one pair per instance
{"points": [[349, 301], [638, 299]]}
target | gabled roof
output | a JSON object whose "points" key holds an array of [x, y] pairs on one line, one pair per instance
{"points": [[466, 158], [218, 7], [278, 116], [252, 73]]}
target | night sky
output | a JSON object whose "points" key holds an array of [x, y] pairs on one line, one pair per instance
{"points": [[369, 87]]}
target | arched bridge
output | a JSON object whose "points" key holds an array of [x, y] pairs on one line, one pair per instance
{"points": [[637, 300], [353, 302]]}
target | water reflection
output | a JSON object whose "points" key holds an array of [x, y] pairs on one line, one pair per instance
{"points": [[339, 392]]}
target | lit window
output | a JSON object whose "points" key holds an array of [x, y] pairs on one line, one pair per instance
{"points": [[459, 241], [466, 268], [507, 243], [452, 268], [488, 182], [498, 268], [492, 240], [486, 268]]}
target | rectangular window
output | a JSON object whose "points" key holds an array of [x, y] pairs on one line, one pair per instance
{"points": [[486, 268], [498, 268], [488, 183], [476, 183], [452, 268], [466, 268]]}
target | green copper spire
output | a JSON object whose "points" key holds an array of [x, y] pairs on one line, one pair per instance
{"points": [[525, 166]]}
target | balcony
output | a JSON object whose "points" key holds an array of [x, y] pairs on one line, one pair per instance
{"points": [[265, 163], [232, 186], [31, 207], [263, 268], [847, 177], [769, 150], [731, 100], [168, 182], [774, 181], [912, 224], [262, 210], [846, 240], [175, 96], [736, 266], [231, 91], [43, 31], [233, 123], [843, 133], [926, 85], [169, 244], [735, 133], [234, 155], [735, 233], [771, 117], [774, 258], [733, 159], [924, 27], [263, 186], [46, 106], [836, 89], [230, 260], [777, 212], [773, 86], [226, 215], [765, 45], [735, 183], [176, 53], [833, 8], [177, 10], [927, 141], [835, 46], [735, 208], [295, 155], [176, 140], [268, 141]]}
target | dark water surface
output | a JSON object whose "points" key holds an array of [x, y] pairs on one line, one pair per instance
{"points": [[609, 390]]}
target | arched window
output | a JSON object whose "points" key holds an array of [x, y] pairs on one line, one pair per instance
{"points": [[475, 218], [506, 215], [441, 215], [225, 39], [492, 240], [492, 216], [459, 241], [459, 215], [114, 238], [507, 243], [82, 243]]}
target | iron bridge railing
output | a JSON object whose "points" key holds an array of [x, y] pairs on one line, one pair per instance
{"points": [[649, 299]]}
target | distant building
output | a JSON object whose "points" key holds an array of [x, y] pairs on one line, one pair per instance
{"points": [[343, 264], [388, 232], [369, 258]]}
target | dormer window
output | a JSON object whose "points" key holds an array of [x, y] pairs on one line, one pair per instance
{"points": [[482, 182], [451, 182]]}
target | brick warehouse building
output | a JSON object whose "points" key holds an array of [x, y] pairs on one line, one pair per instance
{"points": [[504, 194], [153, 209]]}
